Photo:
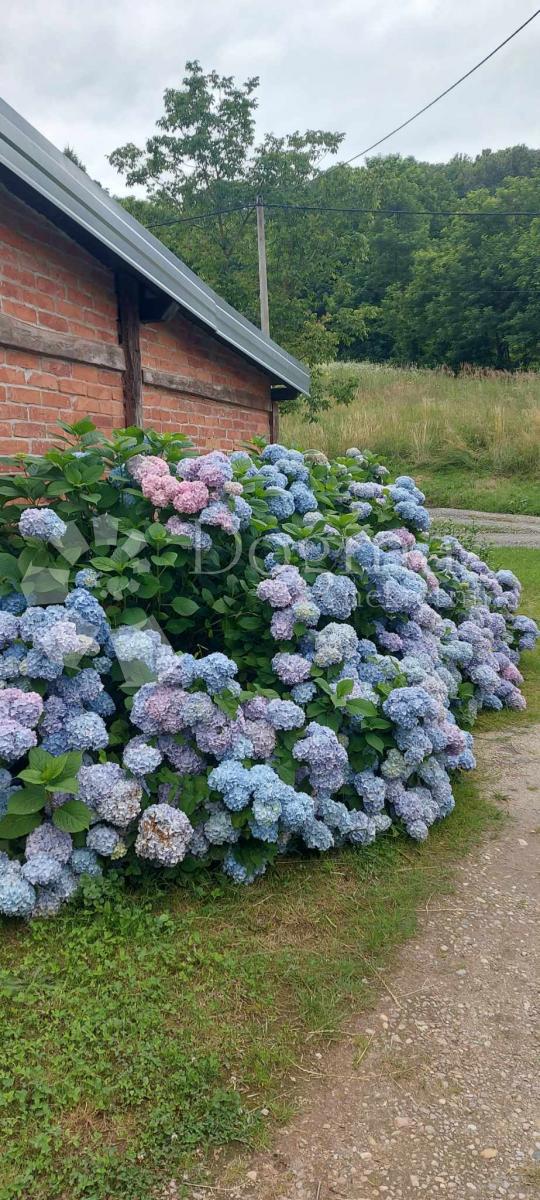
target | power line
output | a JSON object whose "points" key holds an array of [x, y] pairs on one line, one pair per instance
{"points": [[217, 212], [407, 212], [401, 212], [441, 96], [351, 209]]}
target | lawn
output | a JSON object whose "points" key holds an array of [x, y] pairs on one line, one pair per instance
{"points": [[472, 440], [142, 1030]]}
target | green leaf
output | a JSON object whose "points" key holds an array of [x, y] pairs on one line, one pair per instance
{"points": [[333, 719], [344, 687], [9, 568], [66, 784], [31, 776], [363, 708], [15, 826], [250, 623], [148, 587], [133, 616], [85, 425], [156, 533], [178, 625], [374, 740], [73, 816], [166, 559], [39, 759], [184, 607], [104, 564], [74, 474], [72, 762], [27, 800]]}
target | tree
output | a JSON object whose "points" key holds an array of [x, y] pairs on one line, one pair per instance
{"points": [[474, 297], [205, 159], [71, 153], [356, 279]]}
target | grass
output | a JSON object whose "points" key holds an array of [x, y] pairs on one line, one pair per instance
{"points": [[485, 493], [526, 565], [137, 1032], [473, 439], [142, 1030]]}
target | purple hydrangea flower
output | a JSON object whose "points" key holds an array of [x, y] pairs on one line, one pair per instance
{"points": [[48, 839]]}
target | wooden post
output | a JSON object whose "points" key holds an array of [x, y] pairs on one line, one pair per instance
{"points": [[128, 309], [263, 281], [274, 421]]}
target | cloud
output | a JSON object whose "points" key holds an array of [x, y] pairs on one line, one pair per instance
{"points": [[93, 74]]}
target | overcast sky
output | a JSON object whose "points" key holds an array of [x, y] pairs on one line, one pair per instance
{"points": [[92, 74]]}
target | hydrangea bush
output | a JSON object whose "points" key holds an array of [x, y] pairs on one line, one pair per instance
{"points": [[223, 658]]}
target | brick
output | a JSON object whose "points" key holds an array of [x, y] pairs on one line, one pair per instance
{"points": [[50, 287], [23, 312], [43, 379], [52, 321]]}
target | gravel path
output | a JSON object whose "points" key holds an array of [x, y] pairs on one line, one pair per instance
{"points": [[436, 1093], [499, 529]]}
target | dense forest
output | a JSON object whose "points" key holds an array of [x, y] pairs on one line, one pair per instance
{"points": [[428, 285]]}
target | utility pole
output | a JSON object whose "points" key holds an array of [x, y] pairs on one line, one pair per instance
{"points": [[263, 281]]}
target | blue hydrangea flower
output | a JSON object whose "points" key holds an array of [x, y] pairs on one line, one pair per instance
{"points": [[43, 869], [233, 782], [334, 595], [302, 693], [141, 758], [238, 873], [17, 896], [283, 714], [42, 523], [280, 503], [84, 862], [86, 578], [103, 839]]}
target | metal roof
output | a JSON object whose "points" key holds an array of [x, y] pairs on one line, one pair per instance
{"points": [[42, 167]]}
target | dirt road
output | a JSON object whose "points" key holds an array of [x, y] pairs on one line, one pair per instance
{"points": [[437, 1092], [496, 529]]}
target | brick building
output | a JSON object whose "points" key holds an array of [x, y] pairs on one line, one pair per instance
{"points": [[98, 318]]}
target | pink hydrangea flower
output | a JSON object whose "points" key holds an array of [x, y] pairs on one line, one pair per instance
{"points": [[415, 561], [143, 464], [160, 489], [405, 536], [191, 496]]}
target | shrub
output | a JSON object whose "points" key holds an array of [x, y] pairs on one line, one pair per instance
{"points": [[222, 658]]}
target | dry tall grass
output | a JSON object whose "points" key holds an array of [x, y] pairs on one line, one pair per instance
{"points": [[488, 421]]}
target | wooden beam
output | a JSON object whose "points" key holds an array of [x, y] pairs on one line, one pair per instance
{"points": [[208, 391], [127, 287], [19, 335], [274, 422]]}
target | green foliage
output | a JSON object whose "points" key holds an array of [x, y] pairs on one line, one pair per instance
{"points": [[45, 776]]}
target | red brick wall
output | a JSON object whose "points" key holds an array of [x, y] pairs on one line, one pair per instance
{"points": [[47, 280], [50, 281], [183, 348]]}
